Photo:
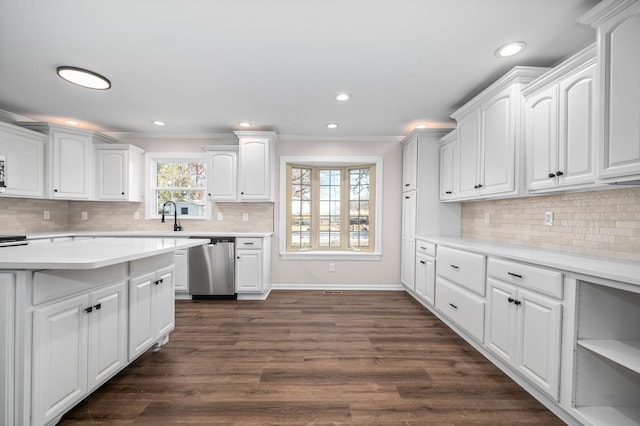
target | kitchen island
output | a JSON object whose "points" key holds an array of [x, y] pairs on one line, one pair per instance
{"points": [[74, 314]]}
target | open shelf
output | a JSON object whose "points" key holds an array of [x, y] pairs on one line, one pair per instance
{"points": [[623, 352]]}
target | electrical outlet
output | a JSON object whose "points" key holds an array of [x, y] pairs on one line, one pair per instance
{"points": [[487, 218], [245, 217], [332, 267], [219, 216], [548, 218], [136, 216], [46, 215], [85, 215]]}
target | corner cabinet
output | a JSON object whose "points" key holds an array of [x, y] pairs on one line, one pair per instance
{"points": [[119, 174], [23, 152], [489, 137], [560, 125], [256, 166], [618, 31]]}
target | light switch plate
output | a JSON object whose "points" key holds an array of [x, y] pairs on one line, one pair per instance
{"points": [[245, 217]]}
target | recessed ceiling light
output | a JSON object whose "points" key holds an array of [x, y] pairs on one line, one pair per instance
{"points": [[332, 125], [244, 124], [421, 126], [342, 97], [84, 78], [71, 122], [510, 49], [158, 122]]}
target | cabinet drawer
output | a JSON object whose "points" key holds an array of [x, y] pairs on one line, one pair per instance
{"points": [[248, 243], [538, 279], [463, 268], [425, 248], [464, 308]]}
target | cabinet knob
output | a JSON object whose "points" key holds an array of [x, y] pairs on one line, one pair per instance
{"points": [[552, 175], [55, 190], [238, 257], [479, 185], [407, 197], [406, 184], [559, 173], [241, 193], [123, 193]]}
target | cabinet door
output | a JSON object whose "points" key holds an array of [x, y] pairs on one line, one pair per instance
{"points": [[542, 139], [181, 277], [408, 262], [469, 154], [24, 165], [538, 344], [449, 174], [576, 160], [409, 207], [71, 166], [107, 333], [112, 174], [248, 271], [141, 329], [497, 171], [500, 335], [164, 302], [222, 176], [59, 358], [619, 60], [425, 278], [254, 171], [410, 165]]}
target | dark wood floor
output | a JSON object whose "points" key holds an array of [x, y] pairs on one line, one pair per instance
{"points": [[311, 358]]}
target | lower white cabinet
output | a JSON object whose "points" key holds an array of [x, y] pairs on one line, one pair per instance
{"points": [[151, 309], [524, 330], [252, 268], [181, 278], [461, 306], [425, 277], [407, 268], [78, 343]]}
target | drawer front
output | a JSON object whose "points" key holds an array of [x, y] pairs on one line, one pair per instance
{"points": [[425, 248], [531, 277], [248, 243], [463, 268], [462, 307]]}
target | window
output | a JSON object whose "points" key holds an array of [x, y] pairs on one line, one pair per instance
{"points": [[180, 179], [331, 206]]}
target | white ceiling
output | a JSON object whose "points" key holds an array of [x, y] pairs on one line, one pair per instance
{"points": [[202, 66]]}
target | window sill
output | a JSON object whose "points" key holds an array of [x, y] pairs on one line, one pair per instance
{"points": [[331, 255]]}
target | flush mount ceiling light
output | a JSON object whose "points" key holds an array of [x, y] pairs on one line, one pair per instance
{"points": [[332, 125], [510, 49], [84, 78], [343, 97], [158, 122]]}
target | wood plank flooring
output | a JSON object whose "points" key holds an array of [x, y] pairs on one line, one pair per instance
{"points": [[305, 357]]}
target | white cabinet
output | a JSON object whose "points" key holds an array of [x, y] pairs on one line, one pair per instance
{"points": [[425, 271], [151, 304], [252, 266], [408, 263], [410, 165], [618, 31], [449, 167], [23, 152], [523, 326], [222, 173], [69, 160], [560, 138], [256, 166], [489, 129], [181, 278], [78, 344], [409, 214], [119, 171]]}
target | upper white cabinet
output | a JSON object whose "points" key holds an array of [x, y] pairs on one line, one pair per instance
{"points": [[560, 132], [23, 152], [119, 172], [489, 136], [410, 165], [69, 160], [222, 174], [256, 165], [449, 167]]}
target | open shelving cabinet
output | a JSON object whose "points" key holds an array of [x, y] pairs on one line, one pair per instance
{"points": [[607, 375]]}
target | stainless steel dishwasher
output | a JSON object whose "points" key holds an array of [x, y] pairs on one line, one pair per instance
{"points": [[212, 269]]}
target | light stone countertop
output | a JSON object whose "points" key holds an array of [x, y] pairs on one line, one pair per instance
{"points": [[610, 269], [91, 253], [148, 234]]}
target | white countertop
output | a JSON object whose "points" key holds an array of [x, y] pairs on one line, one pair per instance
{"points": [[149, 234], [611, 269], [90, 254]]}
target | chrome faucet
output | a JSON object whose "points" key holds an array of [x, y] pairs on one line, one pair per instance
{"points": [[176, 225]]}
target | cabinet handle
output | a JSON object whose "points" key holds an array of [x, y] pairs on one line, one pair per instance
{"points": [[98, 306], [407, 184], [475, 186], [423, 248], [407, 197], [552, 175], [448, 192], [453, 306], [248, 244], [89, 309], [423, 262], [559, 173], [511, 300], [517, 302], [455, 267], [514, 275], [156, 282]]}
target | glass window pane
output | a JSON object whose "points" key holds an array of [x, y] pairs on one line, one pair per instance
{"points": [[325, 177], [306, 208], [335, 177], [324, 207]]}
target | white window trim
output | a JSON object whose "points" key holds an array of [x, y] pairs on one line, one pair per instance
{"points": [[376, 254], [150, 158]]}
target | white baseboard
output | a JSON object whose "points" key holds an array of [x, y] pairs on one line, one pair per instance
{"points": [[382, 287]]}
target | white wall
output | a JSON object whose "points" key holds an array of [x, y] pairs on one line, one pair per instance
{"points": [[348, 274]]}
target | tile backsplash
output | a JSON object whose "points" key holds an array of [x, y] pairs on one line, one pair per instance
{"points": [[26, 216], [604, 223]]}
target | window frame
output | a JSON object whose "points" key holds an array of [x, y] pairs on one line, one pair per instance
{"points": [[151, 160], [317, 161]]}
